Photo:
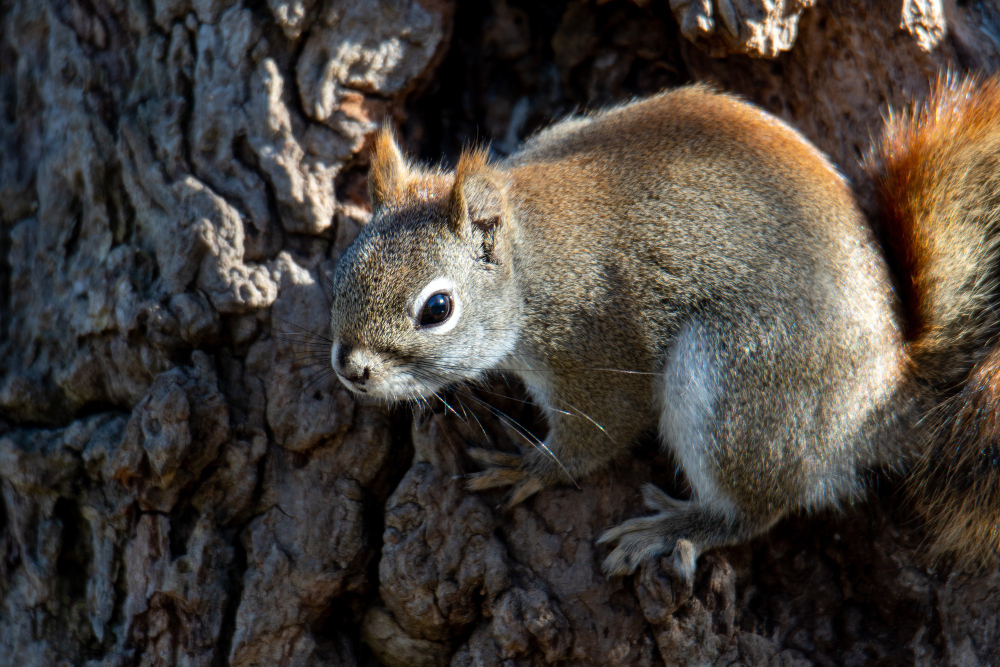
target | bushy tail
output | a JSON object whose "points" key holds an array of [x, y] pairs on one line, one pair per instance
{"points": [[938, 170]]}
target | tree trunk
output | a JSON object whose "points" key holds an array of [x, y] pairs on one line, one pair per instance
{"points": [[182, 481]]}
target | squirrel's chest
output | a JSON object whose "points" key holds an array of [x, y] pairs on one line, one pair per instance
{"points": [[536, 376]]}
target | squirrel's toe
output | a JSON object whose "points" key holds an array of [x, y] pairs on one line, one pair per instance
{"points": [[655, 499], [491, 479], [493, 458], [523, 491]]}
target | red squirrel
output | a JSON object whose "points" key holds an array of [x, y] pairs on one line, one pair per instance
{"points": [[690, 261]]}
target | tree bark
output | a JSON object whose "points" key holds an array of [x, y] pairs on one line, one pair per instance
{"points": [[183, 482]]}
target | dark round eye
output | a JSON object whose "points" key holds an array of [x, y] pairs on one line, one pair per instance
{"points": [[436, 309]]}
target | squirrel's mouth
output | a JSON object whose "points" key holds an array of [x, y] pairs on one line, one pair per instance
{"points": [[365, 373], [350, 385], [393, 388]]}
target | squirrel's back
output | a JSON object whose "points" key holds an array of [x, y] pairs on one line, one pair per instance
{"points": [[679, 136], [692, 164], [688, 116]]}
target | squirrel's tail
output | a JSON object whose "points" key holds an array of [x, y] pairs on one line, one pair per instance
{"points": [[938, 170]]}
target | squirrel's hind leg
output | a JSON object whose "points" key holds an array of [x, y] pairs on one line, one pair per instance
{"points": [[693, 382]]}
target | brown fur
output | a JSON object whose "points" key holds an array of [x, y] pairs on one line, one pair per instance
{"points": [[957, 483], [477, 196], [690, 261], [938, 168], [389, 171]]}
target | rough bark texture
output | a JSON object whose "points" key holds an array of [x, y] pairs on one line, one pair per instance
{"points": [[181, 482]]}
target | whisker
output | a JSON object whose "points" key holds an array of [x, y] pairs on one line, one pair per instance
{"points": [[308, 335], [473, 414], [304, 343], [523, 400], [326, 286], [581, 413], [310, 381], [439, 397], [419, 370], [501, 369], [303, 329], [293, 371], [521, 430], [500, 414], [318, 357]]}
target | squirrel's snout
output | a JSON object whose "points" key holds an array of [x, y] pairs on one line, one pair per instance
{"points": [[351, 366], [356, 378]]}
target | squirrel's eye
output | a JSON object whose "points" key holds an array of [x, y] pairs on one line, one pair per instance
{"points": [[436, 309]]}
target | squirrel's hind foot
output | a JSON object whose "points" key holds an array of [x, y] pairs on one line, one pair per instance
{"points": [[682, 528], [644, 538]]}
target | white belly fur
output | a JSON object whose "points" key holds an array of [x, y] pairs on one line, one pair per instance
{"points": [[689, 388]]}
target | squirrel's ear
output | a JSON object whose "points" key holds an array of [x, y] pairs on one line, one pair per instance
{"points": [[478, 201], [388, 170]]}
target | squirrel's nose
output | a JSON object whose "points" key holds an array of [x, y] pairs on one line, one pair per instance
{"points": [[348, 367], [356, 377]]}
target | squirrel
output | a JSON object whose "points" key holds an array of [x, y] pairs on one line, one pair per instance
{"points": [[690, 261]]}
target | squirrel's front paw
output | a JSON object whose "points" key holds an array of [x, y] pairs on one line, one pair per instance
{"points": [[504, 470]]}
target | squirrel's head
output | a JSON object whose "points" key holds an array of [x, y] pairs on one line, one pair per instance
{"points": [[425, 297]]}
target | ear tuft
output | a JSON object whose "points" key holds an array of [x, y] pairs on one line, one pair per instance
{"points": [[471, 162], [477, 198], [388, 172]]}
